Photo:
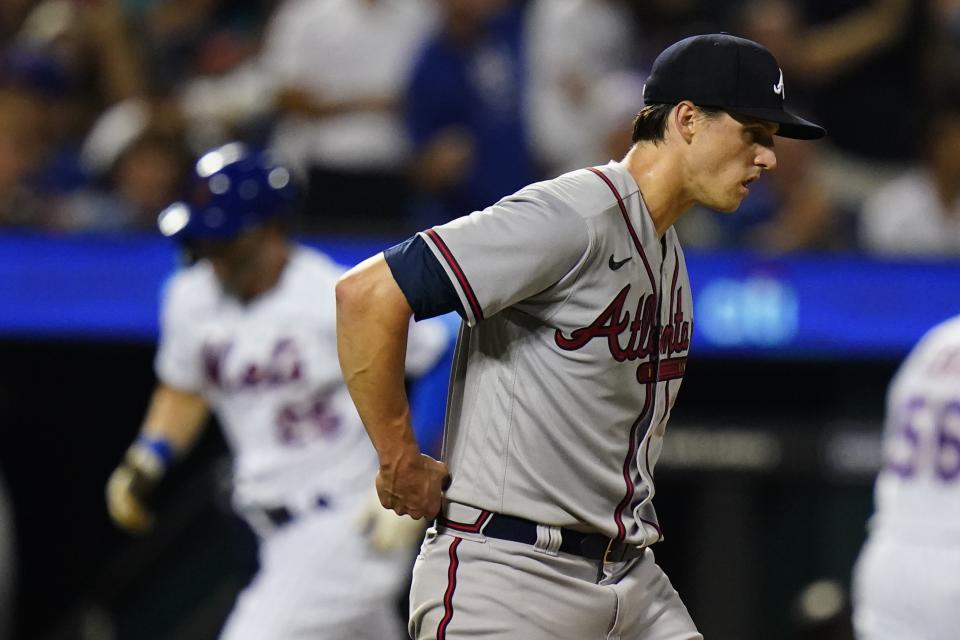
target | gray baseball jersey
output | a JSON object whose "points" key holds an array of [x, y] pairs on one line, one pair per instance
{"points": [[578, 323]]}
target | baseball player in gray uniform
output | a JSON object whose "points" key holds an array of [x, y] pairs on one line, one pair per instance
{"points": [[577, 320]]}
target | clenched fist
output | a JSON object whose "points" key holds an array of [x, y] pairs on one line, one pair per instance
{"points": [[412, 484]]}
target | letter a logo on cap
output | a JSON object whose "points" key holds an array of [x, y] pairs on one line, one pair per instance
{"points": [[778, 88]]}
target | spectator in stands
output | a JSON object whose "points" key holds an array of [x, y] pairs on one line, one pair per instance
{"points": [[146, 174], [790, 209], [465, 111], [74, 59], [858, 61], [663, 22], [615, 100], [87, 49], [919, 212], [60, 114], [341, 66], [572, 46], [942, 50], [852, 52], [181, 39], [174, 34], [232, 101], [207, 64], [22, 151], [12, 13]]}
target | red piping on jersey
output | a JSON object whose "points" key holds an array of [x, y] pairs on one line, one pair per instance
{"points": [[473, 527], [626, 219], [461, 277], [668, 369], [451, 587], [680, 364], [673, 285], [646, 457], [618, 515], [655, 526]]}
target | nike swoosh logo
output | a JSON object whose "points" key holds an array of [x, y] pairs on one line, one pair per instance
{"points": [[616, 264]]}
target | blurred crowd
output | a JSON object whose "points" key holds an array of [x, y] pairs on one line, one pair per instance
{"points": [[400, 114]]}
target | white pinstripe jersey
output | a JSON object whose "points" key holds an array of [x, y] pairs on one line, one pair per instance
{"points": [[269, 370], [918, 489], [578, 326]]}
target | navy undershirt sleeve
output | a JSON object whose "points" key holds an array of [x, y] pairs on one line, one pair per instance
{"points": [[422, 279]]}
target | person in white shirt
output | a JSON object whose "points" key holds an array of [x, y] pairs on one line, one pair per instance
{"points": [[573, 46], [340, 69], [919, 212]]}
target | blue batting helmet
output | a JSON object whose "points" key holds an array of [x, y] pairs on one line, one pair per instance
{"points": [[232, 188]]}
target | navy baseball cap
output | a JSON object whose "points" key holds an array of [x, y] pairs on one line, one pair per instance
{"points": [[730, 73]]}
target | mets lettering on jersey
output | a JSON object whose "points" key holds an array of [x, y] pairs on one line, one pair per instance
{"points": [[586, 324], [269, 370], [284, 365]]}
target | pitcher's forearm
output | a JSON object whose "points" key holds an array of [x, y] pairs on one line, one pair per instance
{"points": [[374, 374], [373, 319]]}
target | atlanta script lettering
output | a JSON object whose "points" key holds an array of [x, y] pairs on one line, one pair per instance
{"points": [[638, 336]]}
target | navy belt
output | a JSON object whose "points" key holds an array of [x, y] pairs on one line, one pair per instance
{"points": [[592, 546]]}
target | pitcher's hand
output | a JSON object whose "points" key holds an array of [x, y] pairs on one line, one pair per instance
{"points": [[412, 484]]}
